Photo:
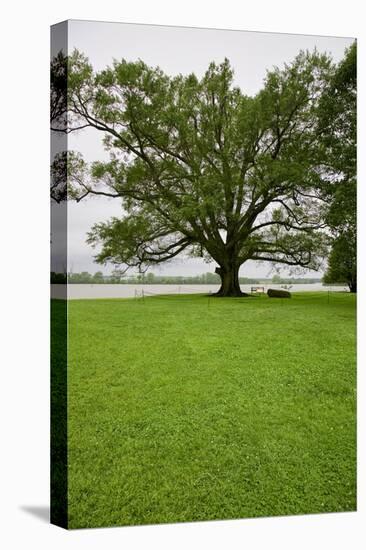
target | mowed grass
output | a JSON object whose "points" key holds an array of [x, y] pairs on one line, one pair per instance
{"points": [[183, 408]]}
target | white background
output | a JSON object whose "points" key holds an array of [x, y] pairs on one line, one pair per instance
{"points": [[24, 219]]}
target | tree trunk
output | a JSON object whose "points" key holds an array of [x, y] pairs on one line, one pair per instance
{"points": [[352, 286], [229, 282]]}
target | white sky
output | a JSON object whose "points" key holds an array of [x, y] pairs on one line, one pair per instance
{"points": [[175, 50]]}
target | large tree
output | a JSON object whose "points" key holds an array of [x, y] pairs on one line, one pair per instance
{"points": [[338, 145], [201, 167]]}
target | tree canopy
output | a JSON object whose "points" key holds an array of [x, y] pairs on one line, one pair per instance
{"points": [[342, 262], [201, 167], [339, 142]]}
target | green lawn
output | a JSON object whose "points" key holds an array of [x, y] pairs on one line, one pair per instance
{"points": [[183, 408]]}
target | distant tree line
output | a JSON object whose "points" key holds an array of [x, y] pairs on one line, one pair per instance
{"points": [[278, 280], [150, 278]]}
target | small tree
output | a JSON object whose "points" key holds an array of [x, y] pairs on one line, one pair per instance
{"points": [[201, 167], [98, 277], [342, 262], [150, 278], [276, 279]]}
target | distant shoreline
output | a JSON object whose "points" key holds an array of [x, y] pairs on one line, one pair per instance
{"points": [[141, 283], [91, 291]]}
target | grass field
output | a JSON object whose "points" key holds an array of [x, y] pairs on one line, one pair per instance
{"points": [[186, 408]]}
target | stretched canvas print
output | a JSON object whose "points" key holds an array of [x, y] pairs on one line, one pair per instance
{"points": [[203, 270]]}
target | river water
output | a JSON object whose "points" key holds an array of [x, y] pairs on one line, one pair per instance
{"points": [[91, 291]]}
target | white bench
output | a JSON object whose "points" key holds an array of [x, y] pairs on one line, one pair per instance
{"points": [[257, 289]]}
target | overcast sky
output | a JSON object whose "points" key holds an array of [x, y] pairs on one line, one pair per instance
{"points": [[175, 50]]}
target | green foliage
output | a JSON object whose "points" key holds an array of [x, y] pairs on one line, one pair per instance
{"points": [[338, 120], [181, 412], [342, 266], [200, 166], [339, 134], [338, 140], [98, 277]]}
